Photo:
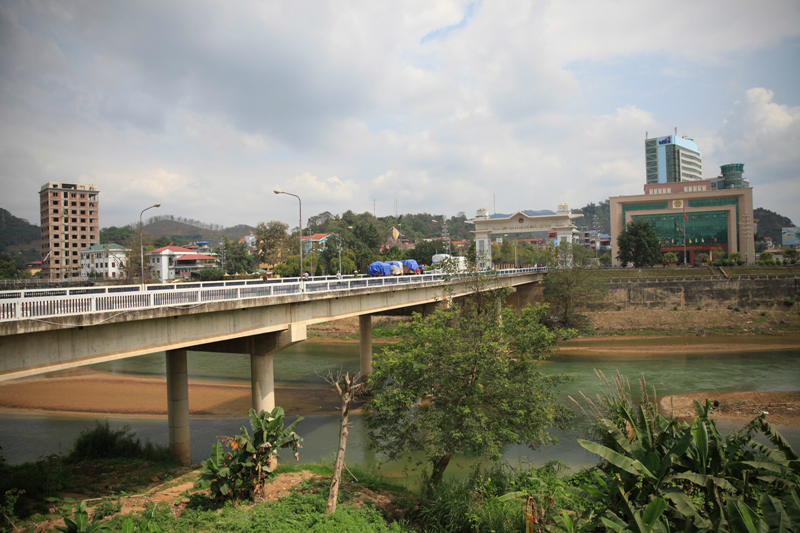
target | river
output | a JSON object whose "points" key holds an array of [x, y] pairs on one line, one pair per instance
{"points": [[26, 437]]}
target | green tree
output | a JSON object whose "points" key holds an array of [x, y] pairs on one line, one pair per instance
{"points": [[736, 256], [117, 235], [236, 257], [790, 253], [572, 283], [424, 250], [9, 269], [462, 382], [765, 257], [272, 241], [639, 244]]}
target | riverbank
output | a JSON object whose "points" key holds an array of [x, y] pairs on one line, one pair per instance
{"points": [[91, 393]]}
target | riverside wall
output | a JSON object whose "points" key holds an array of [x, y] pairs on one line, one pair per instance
{"points": [[744, 293]]}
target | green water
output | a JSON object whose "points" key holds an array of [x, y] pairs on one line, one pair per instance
{"points": [[305, 364]]}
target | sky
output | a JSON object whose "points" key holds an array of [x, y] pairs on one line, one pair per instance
{"points": [[207, 107]]}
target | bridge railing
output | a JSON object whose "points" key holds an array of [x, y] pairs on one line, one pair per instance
{"points": [[40, 304]]}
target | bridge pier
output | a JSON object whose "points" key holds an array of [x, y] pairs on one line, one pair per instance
{"points": [[262, 382], [178, 406], [365, 343]]}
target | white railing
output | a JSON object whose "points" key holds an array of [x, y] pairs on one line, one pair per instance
{"points": [[48, 303]]}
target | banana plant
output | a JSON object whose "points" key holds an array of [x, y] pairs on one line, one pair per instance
{"points": [[242, 472]]}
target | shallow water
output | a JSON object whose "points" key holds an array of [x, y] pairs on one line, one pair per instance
{"points": [[27, 437]]}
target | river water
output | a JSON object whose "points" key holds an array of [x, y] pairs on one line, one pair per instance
{"points": [[26, 437]]}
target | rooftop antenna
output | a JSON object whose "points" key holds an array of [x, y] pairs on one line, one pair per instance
{"points": [[494, 204], [676, 131]]}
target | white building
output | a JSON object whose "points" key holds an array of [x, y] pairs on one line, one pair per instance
{"points": [[171, 262], [672, 159], [104, 260]]}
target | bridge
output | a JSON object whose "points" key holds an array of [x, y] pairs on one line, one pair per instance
{"points": [[44, 330]]}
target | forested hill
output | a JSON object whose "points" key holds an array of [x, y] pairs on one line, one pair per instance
{"points": [[16, 231], [770, 223], [180, 228]]}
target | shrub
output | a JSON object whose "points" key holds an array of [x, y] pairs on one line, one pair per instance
{"points": [[788, 302], [103, 442]]}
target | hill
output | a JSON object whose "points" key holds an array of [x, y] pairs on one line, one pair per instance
{"points": [[16, 231], [770, 223], [182, 230]]}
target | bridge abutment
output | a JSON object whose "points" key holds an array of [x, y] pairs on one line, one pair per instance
{"points": [[178, 406]]}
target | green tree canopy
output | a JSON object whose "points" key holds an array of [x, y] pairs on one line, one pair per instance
{"points": [[462, 382], [272, 241], [639, 244], [572, 283]]}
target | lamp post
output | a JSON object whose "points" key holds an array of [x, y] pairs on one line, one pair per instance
{"points": [[445, 234], [300, 202], [141, 238]]}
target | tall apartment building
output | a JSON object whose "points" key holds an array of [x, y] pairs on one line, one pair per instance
{"points": [[672, 159], [70, 214]]}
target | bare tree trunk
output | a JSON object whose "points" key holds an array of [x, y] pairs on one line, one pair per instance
{"points": [[347, 389]]}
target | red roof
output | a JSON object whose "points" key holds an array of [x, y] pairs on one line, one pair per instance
{"points": [[195, 257], [315, 237], [177, 249]]}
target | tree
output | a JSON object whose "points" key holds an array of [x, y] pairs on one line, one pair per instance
{"points": [[347, 389], [670, 258], [462, 382], [790, 253], [272, 241], [236, 257], [424, 250], [572, 282], [639, 244]]}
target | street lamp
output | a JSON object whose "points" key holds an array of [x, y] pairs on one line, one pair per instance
{"points": [[278, 191], [141, 238], [445, 234]]}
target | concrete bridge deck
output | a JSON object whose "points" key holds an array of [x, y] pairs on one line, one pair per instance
{"points": [[54, 329]]}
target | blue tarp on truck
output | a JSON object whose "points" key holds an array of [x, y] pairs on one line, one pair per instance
{"points": [[379, 268], [410, 266]]}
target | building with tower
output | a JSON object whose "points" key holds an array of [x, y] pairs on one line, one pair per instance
{"points": [[672, 159], [70, 215], [712, 216]]}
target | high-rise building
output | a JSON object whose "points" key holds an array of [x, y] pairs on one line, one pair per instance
{"points": [[672, 159], [70, 214]]}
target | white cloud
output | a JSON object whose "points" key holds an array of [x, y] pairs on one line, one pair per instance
{"points": [[440, 106]]}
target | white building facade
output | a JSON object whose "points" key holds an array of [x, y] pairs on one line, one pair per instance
{"points": [[104, 260], [172, 262], [672, 159]]}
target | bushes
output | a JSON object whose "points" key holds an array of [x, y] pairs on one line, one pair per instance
{"points": [[103, 442]]}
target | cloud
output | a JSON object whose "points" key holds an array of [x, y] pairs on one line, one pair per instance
{"points": [[442, 106]]}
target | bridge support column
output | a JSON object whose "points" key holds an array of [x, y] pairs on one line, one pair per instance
{"points": [[178, 406], [262, 382], [365, 343]]}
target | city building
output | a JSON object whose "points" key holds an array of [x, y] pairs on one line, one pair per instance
{"points": [[672, 159], [106, 261], [708, 216], [70, 217], [172, 262]]}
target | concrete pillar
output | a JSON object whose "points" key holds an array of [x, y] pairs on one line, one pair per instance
{"points": [[178, 406], [262, 382], [365, 343]]}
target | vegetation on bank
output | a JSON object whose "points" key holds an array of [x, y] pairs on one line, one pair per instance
{"points": [[655, 473]]}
